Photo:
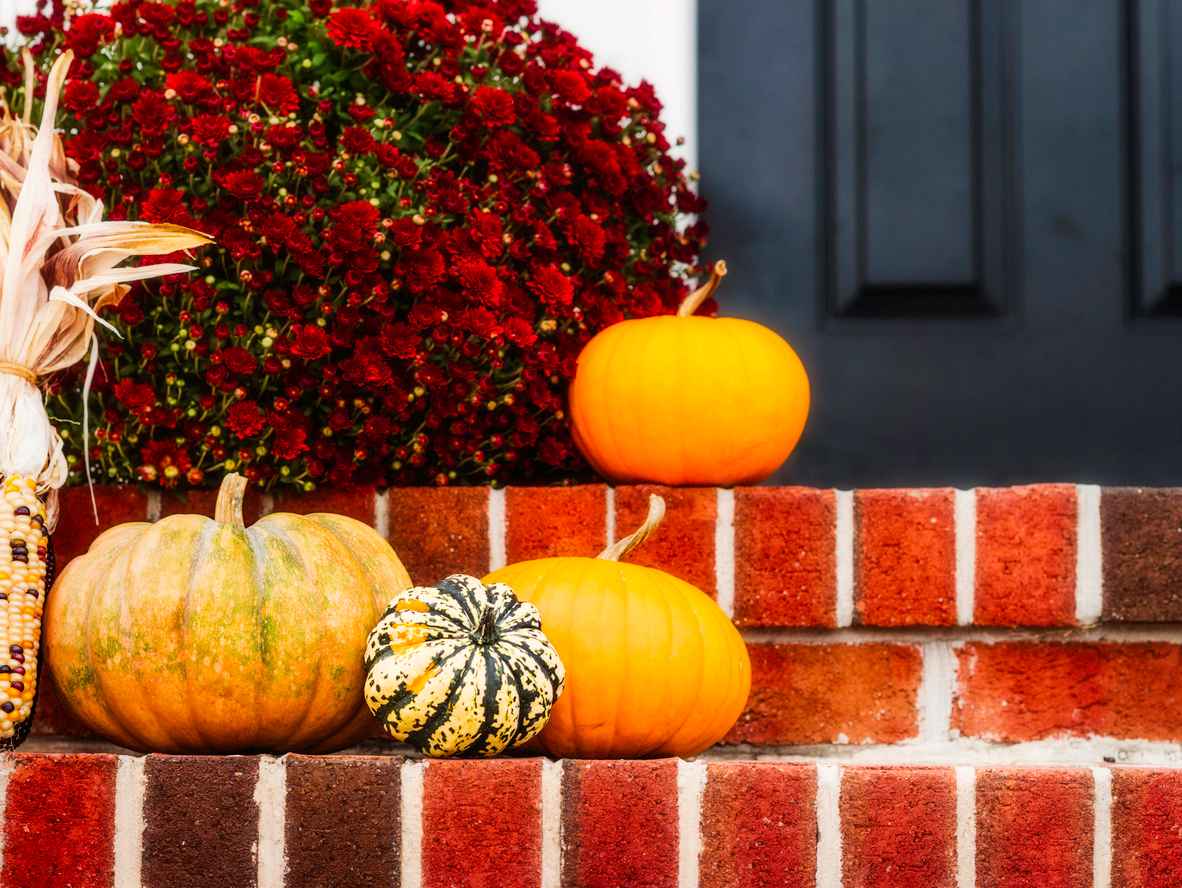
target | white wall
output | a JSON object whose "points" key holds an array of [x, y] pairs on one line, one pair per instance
{"points": [[653, 40]]}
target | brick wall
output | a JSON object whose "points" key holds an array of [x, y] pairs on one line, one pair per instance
{"points": [[186, 822], [950, 619]]}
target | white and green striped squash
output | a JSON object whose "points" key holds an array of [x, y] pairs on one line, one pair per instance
{"points": [[461, 668]]}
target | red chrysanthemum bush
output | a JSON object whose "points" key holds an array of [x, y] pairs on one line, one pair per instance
{"points": [[423, 210]]}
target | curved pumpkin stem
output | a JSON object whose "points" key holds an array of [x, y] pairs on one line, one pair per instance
{"points": [[620, 548], [695, 299], [230, 496]]}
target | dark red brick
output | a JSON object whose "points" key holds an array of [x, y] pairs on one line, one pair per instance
{"points": [[77, 529], [1142, 554], [785, 551], [1146, 838], [342, 821], [438, 531], [354, 502], [60, 821], [759, 826], [1016, 691], [202, 502], [904, 558], [200, 821], [1034, 828], [547, 521], [684, 543], [482, 823], [1026, 545], [620, 824], [805, 694], [898, 827]]}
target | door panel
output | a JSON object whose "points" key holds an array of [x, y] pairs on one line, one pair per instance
{"points": [[942, 205]]}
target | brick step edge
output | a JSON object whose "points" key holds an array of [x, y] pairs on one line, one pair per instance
{"points": [[1040, 555], [302, 821]]}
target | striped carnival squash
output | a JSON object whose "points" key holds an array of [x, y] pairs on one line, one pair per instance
{"points": [[461, 668], [200, 635]]}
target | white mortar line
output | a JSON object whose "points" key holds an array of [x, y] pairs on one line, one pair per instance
{"points": [[724, 550], [270, 794], [412, 824], [843, 535], [1170, 633], [609, 515], [828, 825], [966, 827], [155, 506], [551, 824], [937, 686], [965, 512], [1089, 573], [266, 504], [691, 783], [381, 514], [129, 821], [1102, 828], [497, 526], [5, 773]]}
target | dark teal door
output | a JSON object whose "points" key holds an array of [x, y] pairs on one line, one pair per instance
{"points": [[966, 217]]}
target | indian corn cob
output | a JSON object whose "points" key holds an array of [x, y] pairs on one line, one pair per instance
{"points": [[59, 265]]}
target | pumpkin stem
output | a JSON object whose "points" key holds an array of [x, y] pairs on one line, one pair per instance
{"points": [[229, 505], [486, 629], [695, 299], [620, 548]]}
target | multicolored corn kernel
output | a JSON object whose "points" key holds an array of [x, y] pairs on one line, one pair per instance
{"points": [[23, 582]]}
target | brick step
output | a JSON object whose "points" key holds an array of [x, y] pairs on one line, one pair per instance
{"points": [[175, 822]]}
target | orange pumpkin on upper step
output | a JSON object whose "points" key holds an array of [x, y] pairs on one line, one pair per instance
{"points": [[653, 665], [687, 400], [203, 635]]}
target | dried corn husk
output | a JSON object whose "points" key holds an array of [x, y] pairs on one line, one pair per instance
{"points": [[60, 265]]}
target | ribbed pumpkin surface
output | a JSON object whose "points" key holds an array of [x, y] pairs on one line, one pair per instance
{"points": [[198, 635]]}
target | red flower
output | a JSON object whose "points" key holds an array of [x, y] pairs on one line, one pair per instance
{"points": [[238, 360], [80, 95], [310, 342], [166, 205], [88, 32], [357, 140], [209, 129], [245, 419], [245, 184], [277, 93], [352, 28], [189, 85], [493, 107], [135, 395], [571, 86], [551, 286]]}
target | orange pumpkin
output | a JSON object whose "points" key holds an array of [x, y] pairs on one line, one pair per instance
{"points": [[688, 400], [653, 666], [199, 635]]}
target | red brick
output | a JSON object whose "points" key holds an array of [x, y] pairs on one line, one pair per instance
{"points": [[439, 531], [785, 557], [904, 558], [76, 528], [1034, 827], [60, 821], [342, 820], [1146, 839], [482, 823], [1026, 542], [1019, 691], [202, 502], [898, 827], [684, 544], [759, 826], [354, 502], [200, 821], [547, 521], [620, 824], [830, 693]]}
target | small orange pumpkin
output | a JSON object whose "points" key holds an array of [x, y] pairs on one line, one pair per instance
{"points": [[200, 635], [653, 666], [688, 400]]}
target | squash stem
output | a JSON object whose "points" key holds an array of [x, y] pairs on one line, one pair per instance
{"points": [[620, 548], [486, 629], [228, 509], [695, 299]]}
